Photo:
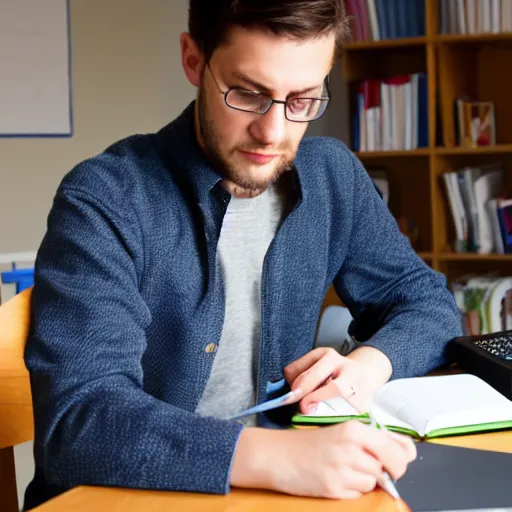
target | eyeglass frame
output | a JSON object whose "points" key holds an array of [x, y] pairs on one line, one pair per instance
{"points": [[272, 101]]}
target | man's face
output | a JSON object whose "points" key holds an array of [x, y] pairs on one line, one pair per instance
{"points": [[249, 149]]}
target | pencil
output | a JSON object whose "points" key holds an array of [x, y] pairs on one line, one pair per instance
{"points": [[385, 481]]}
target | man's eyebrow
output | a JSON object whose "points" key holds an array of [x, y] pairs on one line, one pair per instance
{"points": [[264, 89]]}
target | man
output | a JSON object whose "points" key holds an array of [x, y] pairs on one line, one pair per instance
{"points": [[182, 275]]}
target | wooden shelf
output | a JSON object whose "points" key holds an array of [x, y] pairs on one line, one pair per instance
{"points": [[368, 155], [483, 150], [404, 42], [455, 65], [454, 256], [473, 38]]}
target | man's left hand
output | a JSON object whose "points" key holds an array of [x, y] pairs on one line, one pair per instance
{"points": [[323, 374]]}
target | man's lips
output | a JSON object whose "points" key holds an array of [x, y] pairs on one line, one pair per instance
{"points": [[259, 158]]}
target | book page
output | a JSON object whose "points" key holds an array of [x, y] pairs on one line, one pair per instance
{"points": [[335, 407], [431, 403], [388, 420], [397, 405]]}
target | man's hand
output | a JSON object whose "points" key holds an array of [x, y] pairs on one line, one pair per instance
{"points": [[343, 461], [323, 373]]}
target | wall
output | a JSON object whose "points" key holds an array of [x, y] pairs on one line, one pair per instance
{"points": [[127, 78]]}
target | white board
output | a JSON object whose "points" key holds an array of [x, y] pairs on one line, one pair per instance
{"points": [[35, 70]]}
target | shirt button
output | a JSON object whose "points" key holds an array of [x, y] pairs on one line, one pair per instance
{"points": [[211, 348]]}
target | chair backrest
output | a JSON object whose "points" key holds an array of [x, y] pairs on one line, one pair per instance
{"points": [[16, 417], [333, 329]]}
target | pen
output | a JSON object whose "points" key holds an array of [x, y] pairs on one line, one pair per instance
{"points": [[385, 480]]}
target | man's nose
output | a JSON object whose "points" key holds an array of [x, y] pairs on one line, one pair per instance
{"points": [[270, 128]]}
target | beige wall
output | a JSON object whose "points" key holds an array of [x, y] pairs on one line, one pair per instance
{"points": [[127, 78]]}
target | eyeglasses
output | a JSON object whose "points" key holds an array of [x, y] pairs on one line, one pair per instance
{"points": [[297, 110]]}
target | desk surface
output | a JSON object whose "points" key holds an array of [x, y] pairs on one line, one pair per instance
{"points": [[85, 499]]}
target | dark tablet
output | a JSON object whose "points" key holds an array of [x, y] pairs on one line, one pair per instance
{"points": [[446, 478]]}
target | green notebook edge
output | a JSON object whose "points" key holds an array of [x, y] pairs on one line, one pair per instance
{"points": [[470, 429], [300, 420]]}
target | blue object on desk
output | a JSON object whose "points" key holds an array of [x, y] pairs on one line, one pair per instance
{"points": [[272, 387], [22, 277], [265, 406]]}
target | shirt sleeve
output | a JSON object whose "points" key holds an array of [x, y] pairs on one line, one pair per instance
{"points": [[94, 423], [399, 304]]}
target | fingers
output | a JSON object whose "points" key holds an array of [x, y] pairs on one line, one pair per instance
{"points": [[394, 454], [359, 472], [293, 370], [315, 375], [345, 494], [408, 444], [367, 464], [309, 403], [357, 481]]}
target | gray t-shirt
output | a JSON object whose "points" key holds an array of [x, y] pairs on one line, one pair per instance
{"points": [[248, 229]]}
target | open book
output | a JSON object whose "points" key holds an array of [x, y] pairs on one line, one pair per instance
{"points": [[425, 407]]}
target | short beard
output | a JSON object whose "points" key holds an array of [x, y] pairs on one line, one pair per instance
{"points": [[212, 147]]}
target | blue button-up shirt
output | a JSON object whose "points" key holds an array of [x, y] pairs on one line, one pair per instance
{"points": [[128, 298]]}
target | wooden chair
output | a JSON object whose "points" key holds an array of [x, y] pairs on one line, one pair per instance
{"points": [[16, 418]]}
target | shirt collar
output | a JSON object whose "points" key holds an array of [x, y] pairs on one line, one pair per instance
{"points": [[178, 142]]}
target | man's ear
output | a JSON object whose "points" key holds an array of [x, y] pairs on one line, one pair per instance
{"points": [[192, 59]]}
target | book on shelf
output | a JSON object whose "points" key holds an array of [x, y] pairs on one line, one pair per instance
{"points": [[485, 303], [482, 217], [425, 407], [392, 114], [475, 16], [377, 20]]}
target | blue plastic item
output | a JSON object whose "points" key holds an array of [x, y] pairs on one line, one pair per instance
{"points": [[22, 277]]}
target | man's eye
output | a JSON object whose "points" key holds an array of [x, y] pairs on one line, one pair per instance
{"points": [[299, 104], [250, 95]]}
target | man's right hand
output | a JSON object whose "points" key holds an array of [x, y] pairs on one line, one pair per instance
{"points": [[342, 461]]}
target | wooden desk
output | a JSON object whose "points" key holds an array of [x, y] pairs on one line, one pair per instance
{"points": [[85, 499]]}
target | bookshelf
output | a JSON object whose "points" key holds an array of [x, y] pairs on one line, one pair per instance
{"points": [[477, 65]]}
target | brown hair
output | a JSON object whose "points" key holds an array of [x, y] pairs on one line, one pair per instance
{"points": [[211, 20]]}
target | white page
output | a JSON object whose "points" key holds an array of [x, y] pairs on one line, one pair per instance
{"points": [[388, 420], [338, 407], [431, 403], [335, 407], [399, 406]]}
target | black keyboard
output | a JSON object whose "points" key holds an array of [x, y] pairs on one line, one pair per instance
{"points": [[499, 345], [488, 356]]}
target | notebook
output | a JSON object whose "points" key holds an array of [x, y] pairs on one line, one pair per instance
{"points": [[449, 478], [425, 407]]}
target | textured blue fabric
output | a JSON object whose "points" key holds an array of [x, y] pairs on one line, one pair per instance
{"points": [[128, 296]]}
